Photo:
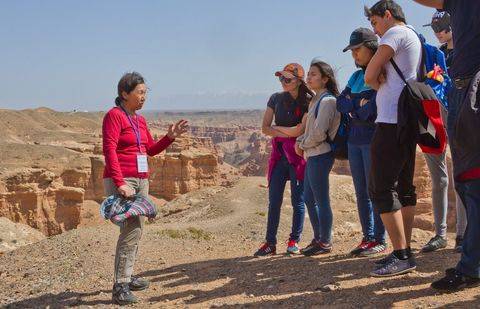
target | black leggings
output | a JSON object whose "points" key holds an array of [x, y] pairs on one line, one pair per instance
{"points": [[392, 170]]}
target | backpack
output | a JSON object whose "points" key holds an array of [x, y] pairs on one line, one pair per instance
{"points": [[420, 110], [436, 71], [339, 143]]}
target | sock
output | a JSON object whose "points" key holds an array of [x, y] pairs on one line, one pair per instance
{"points": [[401, 254], [409, 252]]}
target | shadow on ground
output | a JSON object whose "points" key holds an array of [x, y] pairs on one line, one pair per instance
{"points": [[276, 281]]}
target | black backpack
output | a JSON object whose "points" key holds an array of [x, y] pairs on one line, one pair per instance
{"points": [[420, 115]]}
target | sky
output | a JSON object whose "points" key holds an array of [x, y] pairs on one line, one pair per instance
{"points": [[194, 54]]}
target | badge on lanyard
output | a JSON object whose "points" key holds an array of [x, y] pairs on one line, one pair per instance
{"points": [[142, 162]]}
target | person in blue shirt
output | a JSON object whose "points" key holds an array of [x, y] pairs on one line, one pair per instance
{"points": [[358, 101]]}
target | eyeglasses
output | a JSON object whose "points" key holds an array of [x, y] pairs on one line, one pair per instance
{"points": [[143, 92], [285, 80]]}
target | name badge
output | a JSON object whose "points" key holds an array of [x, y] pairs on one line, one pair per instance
{"points": [[142, 163]]}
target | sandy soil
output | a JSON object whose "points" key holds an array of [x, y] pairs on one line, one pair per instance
{"points": [[199, 254]]}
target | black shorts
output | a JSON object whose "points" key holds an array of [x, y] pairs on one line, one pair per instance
{"points": [[393, 166]]}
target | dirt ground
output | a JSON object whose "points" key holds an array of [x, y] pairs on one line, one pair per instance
{"points": [[199, 254]]}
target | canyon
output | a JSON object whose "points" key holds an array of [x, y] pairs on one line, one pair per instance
{"points": [[51, 176]]}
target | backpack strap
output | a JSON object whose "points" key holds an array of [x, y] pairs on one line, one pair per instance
{"points": [[326, 94], [422, 63]]}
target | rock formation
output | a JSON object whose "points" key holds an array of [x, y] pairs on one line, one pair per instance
{"points": [[52, 168], [37, 197], [189, 164]]}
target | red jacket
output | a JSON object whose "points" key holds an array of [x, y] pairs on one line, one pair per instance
{"points": [[120, 145]]}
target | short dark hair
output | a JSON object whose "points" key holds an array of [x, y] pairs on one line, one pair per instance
{"points": [[382, 6], [127, 84], [372, 45]]}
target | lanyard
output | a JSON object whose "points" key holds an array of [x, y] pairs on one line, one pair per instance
{"points": [[136, 129]]}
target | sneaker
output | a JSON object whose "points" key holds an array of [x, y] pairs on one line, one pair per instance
{"points": [[292, 247], [121, 294], [458, 244], [384, 260], [437, 242], [393, 267], [317, 247], [373, 248], [265, 250], [361, 247], [309, 247], [412, 261], [138, 284], [454, 281]]}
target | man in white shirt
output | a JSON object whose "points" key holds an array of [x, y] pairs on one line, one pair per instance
{"points": [[393, 163]]}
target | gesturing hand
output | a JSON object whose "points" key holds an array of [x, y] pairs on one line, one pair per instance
{"points": [[176, 130]]}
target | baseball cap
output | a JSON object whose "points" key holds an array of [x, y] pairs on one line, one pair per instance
{"points": [[440, 22], [359, 37], [292, 70]]}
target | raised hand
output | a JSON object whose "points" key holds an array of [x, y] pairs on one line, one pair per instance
{"points": [[176, 130]]}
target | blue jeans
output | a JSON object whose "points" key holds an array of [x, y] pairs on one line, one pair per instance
{"points": [[372, 226], [469, 263], [317, 197], [281, 173]]}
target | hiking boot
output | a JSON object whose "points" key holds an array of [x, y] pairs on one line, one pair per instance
{"points": [[437, 242], [393, 267], [265, 250], [292, 247], [458, 244], [138, 284], [373, 248], [121, 294], [317, 247], [454, 281], [364, 245]]}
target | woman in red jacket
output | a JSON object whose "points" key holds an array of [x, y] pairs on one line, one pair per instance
{"points": [[126, 144]]}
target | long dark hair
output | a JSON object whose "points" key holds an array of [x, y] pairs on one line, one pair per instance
{"points": [[305, 95], [127, 84], [327, 71]]}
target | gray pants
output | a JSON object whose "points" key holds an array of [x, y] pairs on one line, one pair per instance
{"points": [[461, 225], [130, 232], [437, 165]]}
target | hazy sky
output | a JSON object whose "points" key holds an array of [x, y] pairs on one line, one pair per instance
{"points": [[195, 54]]}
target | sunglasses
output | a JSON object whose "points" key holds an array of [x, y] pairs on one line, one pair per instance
{"points": [[285, 80]]}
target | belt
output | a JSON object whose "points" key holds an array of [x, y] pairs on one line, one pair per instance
{"points": [[461, 83]]}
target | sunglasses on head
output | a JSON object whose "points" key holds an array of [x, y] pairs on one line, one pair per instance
{"points": [[285, 80]]}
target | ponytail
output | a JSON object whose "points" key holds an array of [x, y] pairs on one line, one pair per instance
{"points": [[118, 101]]}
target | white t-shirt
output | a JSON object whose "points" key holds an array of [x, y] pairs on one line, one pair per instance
{"points": [[408, 51]]}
